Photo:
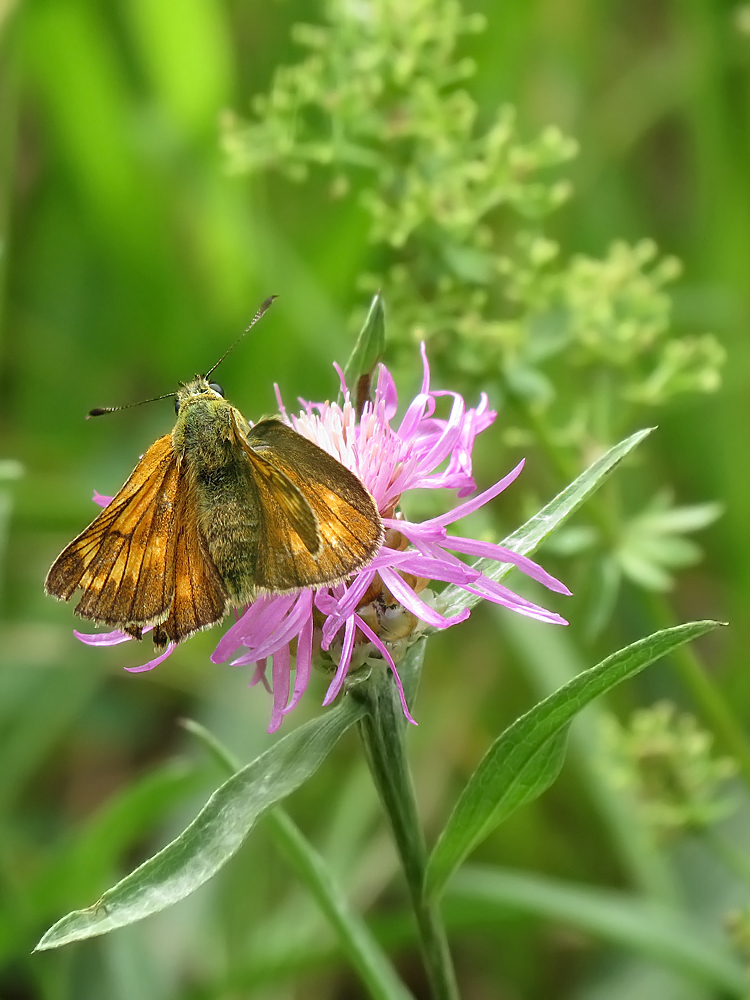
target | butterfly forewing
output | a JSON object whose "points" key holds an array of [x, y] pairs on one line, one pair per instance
{"points": [[130, 562], [132, 579], [277, 485], [103, 560], [348, 521], [200, 598]]}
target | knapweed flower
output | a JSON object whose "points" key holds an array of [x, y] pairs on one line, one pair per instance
{"points": [[383, 607]]}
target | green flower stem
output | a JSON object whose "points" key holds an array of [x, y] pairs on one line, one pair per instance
{"points": [[382, 731], [354, 937]]}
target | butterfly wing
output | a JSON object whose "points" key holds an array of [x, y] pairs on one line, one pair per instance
{"points": [[131, 561], [349, 529], [200, 597]]}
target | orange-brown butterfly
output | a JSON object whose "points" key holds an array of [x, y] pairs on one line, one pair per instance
{"points": [[214, 514]]}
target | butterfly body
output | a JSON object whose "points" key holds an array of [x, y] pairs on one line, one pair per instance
{"points": [[219, 477], [213, 515]]}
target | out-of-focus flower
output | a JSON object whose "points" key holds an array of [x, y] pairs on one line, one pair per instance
{"points": [[667, 761], [383, 607]]}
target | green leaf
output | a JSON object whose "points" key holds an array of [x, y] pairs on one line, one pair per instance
{"points": [[214, 835], [369, 348], [353, 934], [550, 658], [650, 929], [536, 777], [519, 763], [530, 536]]}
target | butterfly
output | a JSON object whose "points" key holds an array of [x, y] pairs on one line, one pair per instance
{"points": [[215, 514]]}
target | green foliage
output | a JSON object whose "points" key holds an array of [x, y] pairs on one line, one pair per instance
{"points": [[666, 760], [647, 928], [575, 345], [527, 757], [377, 104], [652, 543], [129, 260], [214, 835]]}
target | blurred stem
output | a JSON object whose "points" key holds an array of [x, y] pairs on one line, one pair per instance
{"points": [[734, 860], [353, 935], [706, 695], [382, 731]]}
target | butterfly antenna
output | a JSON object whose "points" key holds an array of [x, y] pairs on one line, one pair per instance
{"points": [[99, 411], [265, 306]]}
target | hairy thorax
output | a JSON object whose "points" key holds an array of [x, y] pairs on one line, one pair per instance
{"points": [[205, 437]]}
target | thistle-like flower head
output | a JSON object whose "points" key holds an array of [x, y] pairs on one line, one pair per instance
{"points": [[383, 607]]}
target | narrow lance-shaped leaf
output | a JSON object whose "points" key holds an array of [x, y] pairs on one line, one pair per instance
{"points": [[518, 765], [368, 351], [530, 535], [214, 835], [353, 934]]}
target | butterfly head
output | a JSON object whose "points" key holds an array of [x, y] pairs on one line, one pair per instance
{"points": [[200, 390]]}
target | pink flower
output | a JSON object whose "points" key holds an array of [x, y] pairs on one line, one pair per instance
{"points": [[383, 607]]}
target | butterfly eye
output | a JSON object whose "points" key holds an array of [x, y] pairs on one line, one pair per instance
{"points": [[216, 388], [177, 406]]}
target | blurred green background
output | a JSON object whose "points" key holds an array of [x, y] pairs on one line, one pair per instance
{"points": [[130, 260]]}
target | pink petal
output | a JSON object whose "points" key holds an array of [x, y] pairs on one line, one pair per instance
{"points": [[489, 550], [471, 505], [262, 617], [279, 400], [101, 499], [411, 529], [303, 663], [415, 413], [339, 610], [106, 638], [450, 571], [281, 634], [425, 368], [259, 677], [343, 667], [403, 593], [386, 393], [387, 656], [153, 663], [498, 594], [280, 671], [342, 381], [447, 441]]}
